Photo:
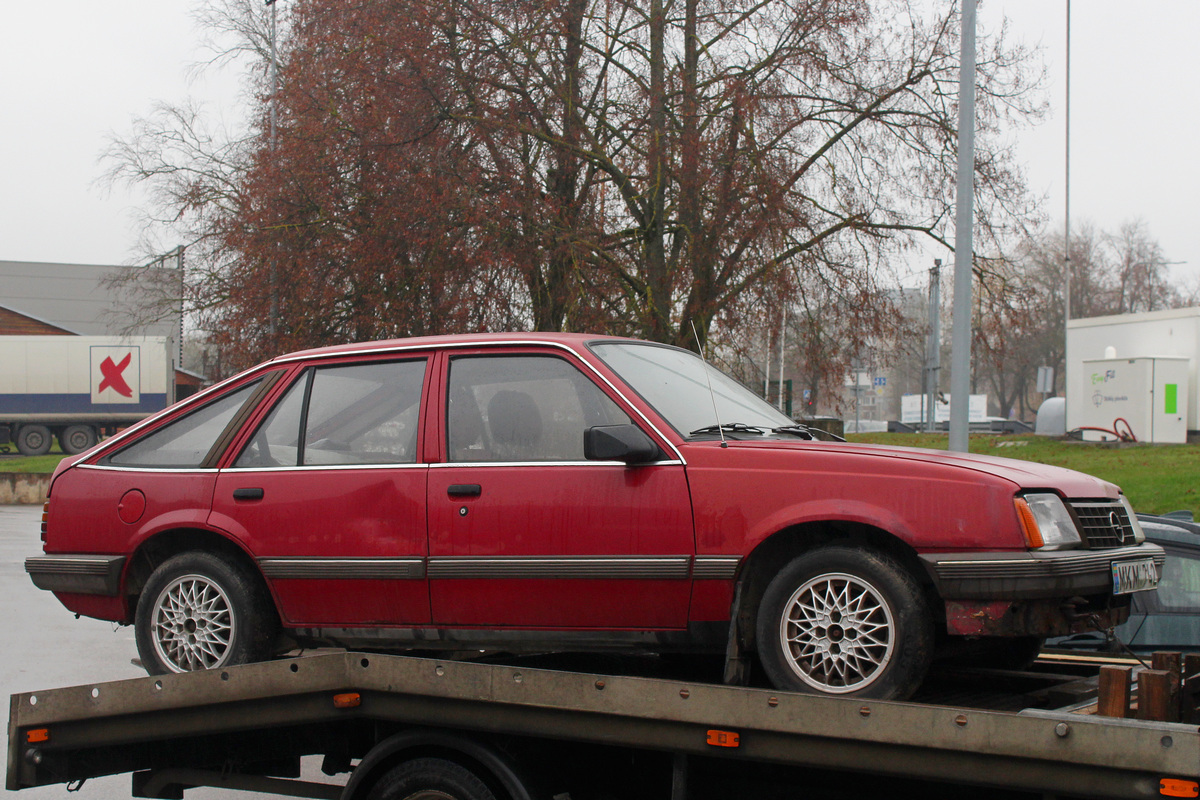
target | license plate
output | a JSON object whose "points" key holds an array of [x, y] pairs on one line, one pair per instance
{"points": [[1134, 576]]}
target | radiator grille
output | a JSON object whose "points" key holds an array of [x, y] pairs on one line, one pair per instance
{"points": [[1105, 524]]}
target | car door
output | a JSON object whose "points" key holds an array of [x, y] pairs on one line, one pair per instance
{"points": [[524, 532], [328, 493]]}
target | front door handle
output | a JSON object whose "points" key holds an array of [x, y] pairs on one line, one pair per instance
{"points": [[248, 493], [464, 490]]}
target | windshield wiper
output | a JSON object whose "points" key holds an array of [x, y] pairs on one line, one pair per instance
{"points": [[806, 432], [728, 427]]}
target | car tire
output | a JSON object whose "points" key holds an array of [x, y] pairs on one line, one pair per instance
{"points": [[845, 621], [201, 611], [33, 440], [430, 779], [76, 438]]}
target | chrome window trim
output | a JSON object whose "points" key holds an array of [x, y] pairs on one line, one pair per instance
{"points": [[323, 468], [477, 464], [156, 470]]}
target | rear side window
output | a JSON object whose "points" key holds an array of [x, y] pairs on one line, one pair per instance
{"points": [[343, 415], [185, 442]]}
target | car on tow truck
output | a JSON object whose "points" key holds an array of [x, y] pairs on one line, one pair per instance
{"points": [[567, 492]]}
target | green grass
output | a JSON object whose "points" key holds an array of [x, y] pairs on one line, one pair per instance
{"points": [[45, 463], [1156, 478]]}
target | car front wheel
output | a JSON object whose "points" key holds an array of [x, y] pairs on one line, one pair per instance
{"points": [[845, 621], [199, 611]]}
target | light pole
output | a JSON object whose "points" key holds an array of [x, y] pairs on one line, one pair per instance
{"points": [[960, 375], [273, 312]]}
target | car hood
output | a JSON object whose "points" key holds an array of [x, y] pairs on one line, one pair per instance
{"points": [[1024, 474]]}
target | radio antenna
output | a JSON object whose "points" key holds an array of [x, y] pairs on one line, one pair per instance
{"points": [[712, 395]]}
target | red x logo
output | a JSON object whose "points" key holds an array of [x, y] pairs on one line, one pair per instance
{"points": [[113, 378]]}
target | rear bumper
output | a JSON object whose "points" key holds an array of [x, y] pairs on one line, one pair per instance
{"points": [[77, 574], [1031, 575]]}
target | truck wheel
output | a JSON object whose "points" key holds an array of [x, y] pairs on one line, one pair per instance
{"points": [[199, 611], [33, 440], [76, 438], [430, 779], [845, 621]]}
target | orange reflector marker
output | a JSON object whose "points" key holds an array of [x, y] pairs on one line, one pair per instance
{"points": [[1174, 787], [37, 735], [347, 700], [724, 739], [1033, 536]]}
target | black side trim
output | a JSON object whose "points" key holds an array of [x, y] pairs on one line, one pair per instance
{"points": [[77, 574]]}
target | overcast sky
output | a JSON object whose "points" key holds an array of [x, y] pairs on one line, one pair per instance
{"points": [[73, 71]]}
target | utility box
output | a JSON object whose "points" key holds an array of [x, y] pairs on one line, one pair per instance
{"points": [[1149, 395], [1175, 332]]}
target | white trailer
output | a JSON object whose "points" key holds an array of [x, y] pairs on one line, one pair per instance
{"points": [[1157, 334], [76, 388]]}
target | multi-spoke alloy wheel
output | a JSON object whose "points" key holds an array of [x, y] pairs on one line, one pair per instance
{"points": [[194, 624], [845, 620], [838, 632], [201, 610]]}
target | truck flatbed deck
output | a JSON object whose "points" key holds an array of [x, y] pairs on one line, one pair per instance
{"points": [[238, 726]]}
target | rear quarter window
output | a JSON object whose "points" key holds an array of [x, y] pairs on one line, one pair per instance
{"points": [[185, 442]]}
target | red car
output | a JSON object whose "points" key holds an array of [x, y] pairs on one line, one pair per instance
{"points": [[534, 492]]}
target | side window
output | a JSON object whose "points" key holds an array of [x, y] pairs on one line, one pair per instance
{"points": [[185, 442], [1179, 589], [355, 414], [522, 408]]}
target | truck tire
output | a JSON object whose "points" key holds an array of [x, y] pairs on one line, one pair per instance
{"points": [[76, 438], [200, 611], [845, 621], [33, 440], [430, 779]]}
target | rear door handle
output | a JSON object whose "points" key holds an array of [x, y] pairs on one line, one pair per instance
{"points": [[248, 493], [464, 490]]}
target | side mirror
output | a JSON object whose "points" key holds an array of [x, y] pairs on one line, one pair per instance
{"points": [[626, 443]]}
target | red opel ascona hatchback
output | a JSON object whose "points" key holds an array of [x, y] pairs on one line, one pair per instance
{"points": [[545, 492]]}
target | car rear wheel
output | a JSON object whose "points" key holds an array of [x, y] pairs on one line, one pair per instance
{"points": [[845, 621], [430, 779], [199, 611]]}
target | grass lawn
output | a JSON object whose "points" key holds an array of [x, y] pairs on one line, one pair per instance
{"points": [[1157, 478]]}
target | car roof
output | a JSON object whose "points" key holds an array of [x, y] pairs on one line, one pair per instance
{"points": [[574, 341]]}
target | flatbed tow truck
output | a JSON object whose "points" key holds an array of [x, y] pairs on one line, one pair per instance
{"points": [[420, 728]]}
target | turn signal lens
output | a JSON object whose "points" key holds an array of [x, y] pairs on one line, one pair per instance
{"points": [[1033, 537]]}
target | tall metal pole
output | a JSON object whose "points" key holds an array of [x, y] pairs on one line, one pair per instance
{"points": [[933, 354], [960, 378], [1067, 213], [782, 343]]}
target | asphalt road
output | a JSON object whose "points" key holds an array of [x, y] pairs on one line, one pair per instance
{"points": [[45, 647]]}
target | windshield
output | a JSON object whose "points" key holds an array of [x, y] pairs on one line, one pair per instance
{"points": [[673, 382]]}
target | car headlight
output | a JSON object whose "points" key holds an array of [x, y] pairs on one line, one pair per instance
{"points": [[1047, 523], [1139, 535]]}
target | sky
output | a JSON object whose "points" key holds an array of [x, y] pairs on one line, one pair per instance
{"points": [[75, 72]]}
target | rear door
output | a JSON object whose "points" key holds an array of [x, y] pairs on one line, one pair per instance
{"points": [[329, 495], [524, 532]]}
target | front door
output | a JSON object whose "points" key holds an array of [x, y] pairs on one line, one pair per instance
{"points": [[526, 533]]}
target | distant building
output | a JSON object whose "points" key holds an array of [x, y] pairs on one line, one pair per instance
{"points": [[43, 299]]}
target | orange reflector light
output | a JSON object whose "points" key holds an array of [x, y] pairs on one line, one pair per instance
{"points": [[347, 700], [1173, 787], [1033, 536], [37, 735], [723, 739]]}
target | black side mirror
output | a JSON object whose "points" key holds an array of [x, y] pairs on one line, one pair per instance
{"points": [[626, 443]]}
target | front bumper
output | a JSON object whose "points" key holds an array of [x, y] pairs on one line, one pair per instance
{"points": [[1031, 575], [77, 574]]}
